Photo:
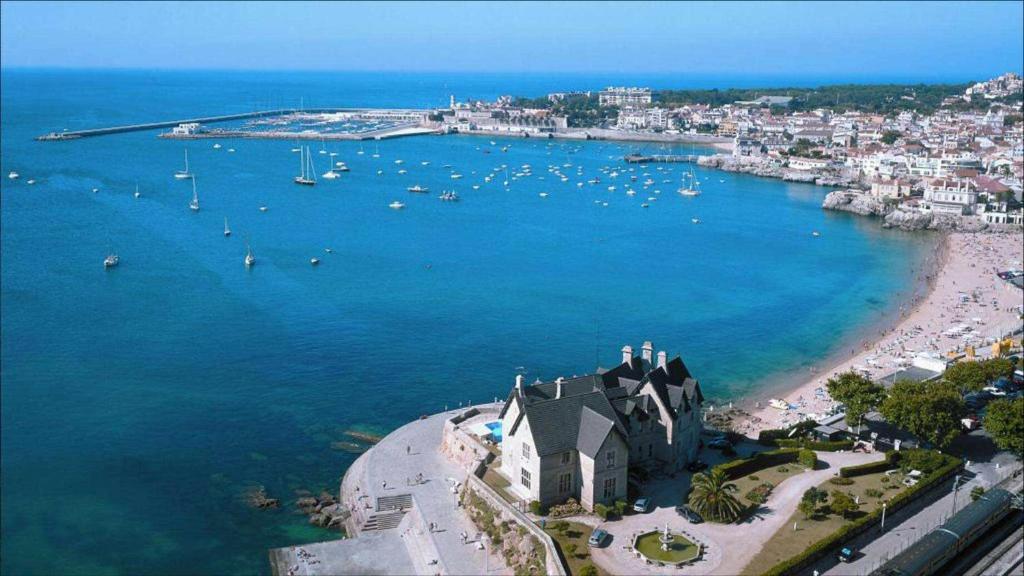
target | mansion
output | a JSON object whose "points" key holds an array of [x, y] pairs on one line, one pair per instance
{"points": [[578, 437]]}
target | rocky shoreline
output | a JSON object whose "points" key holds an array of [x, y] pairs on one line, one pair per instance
{"points": [[757, 167], [895, 216]]}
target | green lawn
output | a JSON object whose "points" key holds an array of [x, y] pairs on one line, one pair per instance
{"points": [[680, 550], [498, 482], [787, 543], [775, 475], [575, 534]]}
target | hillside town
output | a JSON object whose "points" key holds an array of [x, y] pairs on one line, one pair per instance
{"points": [[959, 166]]}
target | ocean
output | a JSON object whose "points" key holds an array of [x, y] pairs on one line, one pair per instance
{"points": [[139, 403]]}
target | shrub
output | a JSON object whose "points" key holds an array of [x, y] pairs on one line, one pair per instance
{"points": [[758, 462], [601, 510], [927, 461], [753, 477], [807, 458], [537, 509], [620, 508], [842, 503], [840, 481], [873, 493], [561, 526], [977, 492], [571, 548], [891, 459], [782, 469], [587, 570], [759, 494], [569, 508], [884, 479]]}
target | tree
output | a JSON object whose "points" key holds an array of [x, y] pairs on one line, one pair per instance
{"points": [[890, 136], [807, 458], [1005, 422], [588, 570], [966, 376], [996, 368], [712, 497], [929, 410], [842, 504], [810, 500], [858, 393], [571, 548]]}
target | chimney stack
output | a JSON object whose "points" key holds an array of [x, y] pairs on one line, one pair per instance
{"points": [[627, 354], [648, 352], [663, 360], [519, 384], [558, 387]]}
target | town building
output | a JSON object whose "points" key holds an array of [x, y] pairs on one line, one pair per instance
{"points": [[622, 96], [579, 437], [892, 189], [950, 196]]}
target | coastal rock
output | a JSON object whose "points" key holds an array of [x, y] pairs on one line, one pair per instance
{"points": [[256, 497], [306, 503], [855, 202]]}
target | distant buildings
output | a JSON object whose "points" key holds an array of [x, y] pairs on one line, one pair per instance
{"points": [[621, 96], [636, 118]]}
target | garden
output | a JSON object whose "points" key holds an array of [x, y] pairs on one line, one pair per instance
{"points": [[571, 540]]}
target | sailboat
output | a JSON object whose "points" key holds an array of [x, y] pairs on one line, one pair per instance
{"points": [[376, 151], [307, 177], [330, 174], [184, 174], [691, 189], [360, 150], [137, 193], [194, 204], [227, 231], [249, 258]]}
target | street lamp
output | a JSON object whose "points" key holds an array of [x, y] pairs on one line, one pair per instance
{"points": [[956, 488], [883, 517]]}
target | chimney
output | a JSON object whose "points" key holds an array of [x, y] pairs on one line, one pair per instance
{"points": [[627, 354], [558, 387], [519, 384], [663, 360], [648, 352]]}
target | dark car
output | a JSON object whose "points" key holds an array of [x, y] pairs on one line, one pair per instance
{"points": [[696, 466], [846, 554], [688, 513], [719, 444]]}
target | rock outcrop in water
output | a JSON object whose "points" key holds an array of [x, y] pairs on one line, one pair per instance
{"points": [[855, 202]]}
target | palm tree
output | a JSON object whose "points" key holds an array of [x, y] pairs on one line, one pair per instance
{"points": [[712, 497]]}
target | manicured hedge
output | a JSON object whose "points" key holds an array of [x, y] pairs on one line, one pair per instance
{"points": [[799, 563], [829, 446], [892, 459], [738, 468]]}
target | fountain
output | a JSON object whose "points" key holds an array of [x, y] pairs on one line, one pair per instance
{"points": [[665, 539]]}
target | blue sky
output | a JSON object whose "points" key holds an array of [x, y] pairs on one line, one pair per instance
{"points": [[943, 40]]}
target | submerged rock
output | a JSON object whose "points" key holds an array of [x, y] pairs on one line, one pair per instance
{"points": [[256, 497], [364, 436]]}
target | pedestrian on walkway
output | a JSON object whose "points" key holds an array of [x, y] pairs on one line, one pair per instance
{"points": [[408, 449], [383, 484]]}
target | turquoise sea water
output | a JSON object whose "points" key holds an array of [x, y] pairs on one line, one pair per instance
{"points": [[138, 403]]}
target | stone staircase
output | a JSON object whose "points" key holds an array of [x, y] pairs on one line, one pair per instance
{"points": [[383, 521], [400, 502]]}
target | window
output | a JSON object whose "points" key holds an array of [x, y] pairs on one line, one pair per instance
{"points": [[524, 478], [650, 450], [564, 483], [609, 488], [526, 451], [610, 455], [566, 457]]}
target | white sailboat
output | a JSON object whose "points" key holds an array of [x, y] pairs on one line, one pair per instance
{"points": [[137, 193], [194, 204], [307, 176], [249, 258], [691, 189], [376, 151], [330, 174], [227, 231], [184, 174], [360, 152]]}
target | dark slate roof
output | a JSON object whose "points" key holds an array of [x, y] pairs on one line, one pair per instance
{"points": [[594, 428], [556, 423], [570, 387]]}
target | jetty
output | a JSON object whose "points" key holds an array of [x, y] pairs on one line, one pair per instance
{"points": [[402, 115], [655, 158]]}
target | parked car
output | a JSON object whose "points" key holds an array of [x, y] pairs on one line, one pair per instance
{"points": [[642, 505], [846, 554], [691, 516], [597, 538], [696, 466], [719, 443]]}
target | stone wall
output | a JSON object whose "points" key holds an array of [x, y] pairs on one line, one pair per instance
{"points": [[459, 446]]}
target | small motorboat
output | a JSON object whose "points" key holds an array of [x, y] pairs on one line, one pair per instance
{"points": [[216, 146], [543, 194], [111, 260], [30, 181], [263, 208], [417, 189], [396, 205], [314, 261], [13, 175], [695, 220], [816, 234]]}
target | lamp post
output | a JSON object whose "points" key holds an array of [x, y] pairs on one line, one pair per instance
{"points": [[956, 488], [883, 517]]}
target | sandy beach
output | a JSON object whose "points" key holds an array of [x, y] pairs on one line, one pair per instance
{"points": [[967, 304]]}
